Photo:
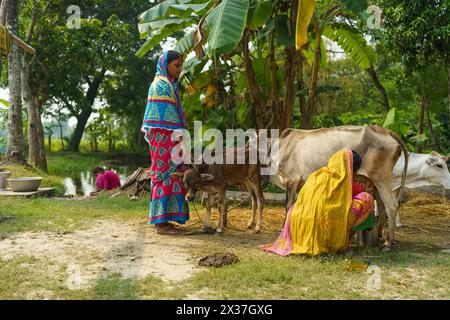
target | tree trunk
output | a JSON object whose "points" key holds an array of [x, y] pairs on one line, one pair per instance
{"points": [[289, 97], [419, 148], [49, 142], [301, 86], [448, 81], [251, 82], [290, 73], [110, 142], [75, 139], [275, 99], [380, 88], [83, 117], [36, 146], [95, 144], [61, 134], [430, 125], [15, 144], [312, 92]]}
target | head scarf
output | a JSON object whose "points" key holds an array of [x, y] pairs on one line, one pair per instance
{"points": [[164, 108]]}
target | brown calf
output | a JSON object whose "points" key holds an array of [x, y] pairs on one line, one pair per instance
{"points": [[215, 179]]}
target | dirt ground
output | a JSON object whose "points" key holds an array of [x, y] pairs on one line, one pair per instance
{"points": [[133, 249]]}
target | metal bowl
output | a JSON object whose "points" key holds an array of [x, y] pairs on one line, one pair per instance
{"points": [[24, 184], [3, 176]]}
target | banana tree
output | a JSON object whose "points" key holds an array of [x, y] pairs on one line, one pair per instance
{"points": [[325, 24], [219, 29]]}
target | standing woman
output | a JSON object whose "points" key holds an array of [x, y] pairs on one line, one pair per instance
{"points": [[164, 118]]}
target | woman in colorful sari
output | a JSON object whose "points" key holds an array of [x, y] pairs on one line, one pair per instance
{"points": [[329, 209], [164, 118]]}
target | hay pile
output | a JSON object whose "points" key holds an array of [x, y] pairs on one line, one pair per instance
{"points": [[426, 216], [425, 219]]}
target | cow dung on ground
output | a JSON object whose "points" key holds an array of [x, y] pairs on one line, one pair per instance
{"points": [[217, 260]]}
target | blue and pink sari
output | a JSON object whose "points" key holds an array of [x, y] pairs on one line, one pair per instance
{"points": [[163, 115]]}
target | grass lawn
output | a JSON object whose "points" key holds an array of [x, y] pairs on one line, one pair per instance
{"points": [[100, 233]]}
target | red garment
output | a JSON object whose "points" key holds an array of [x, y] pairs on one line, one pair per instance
{"points": [[356, 188], [107, 180]]}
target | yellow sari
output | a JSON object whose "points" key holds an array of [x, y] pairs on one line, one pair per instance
{"points": [[320, 220]]}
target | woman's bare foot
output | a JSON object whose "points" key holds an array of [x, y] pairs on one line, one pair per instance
{"points": [[167, 228]]}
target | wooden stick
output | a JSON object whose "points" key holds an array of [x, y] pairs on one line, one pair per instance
{"points": [[22, 44]]}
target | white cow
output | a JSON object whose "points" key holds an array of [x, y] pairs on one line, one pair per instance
{"points": [[423, 170]]}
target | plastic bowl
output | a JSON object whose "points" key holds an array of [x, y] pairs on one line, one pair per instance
{"points": [[24, 184]]}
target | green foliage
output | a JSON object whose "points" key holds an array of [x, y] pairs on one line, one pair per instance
{"points": [[327, 120], [417, 30], [258, 13], [227, 22], [353, 44]]}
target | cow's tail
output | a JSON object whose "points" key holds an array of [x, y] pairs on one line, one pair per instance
{"points": [[405, 168]]}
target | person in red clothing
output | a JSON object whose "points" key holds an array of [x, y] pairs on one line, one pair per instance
{"points": [[105, 179]]}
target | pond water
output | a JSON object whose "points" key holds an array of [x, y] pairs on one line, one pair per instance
{"points": [[84, 183]]}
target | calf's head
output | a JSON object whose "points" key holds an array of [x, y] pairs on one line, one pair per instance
{"points": [[192, 180]]}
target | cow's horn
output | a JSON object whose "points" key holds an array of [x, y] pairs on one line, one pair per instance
{"points": [[435, 154]]}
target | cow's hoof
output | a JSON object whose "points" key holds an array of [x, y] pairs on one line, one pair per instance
{"points": [[386, 249], [219, 231], [209, 230], [257, 231], [399, 225], [250, 226]]}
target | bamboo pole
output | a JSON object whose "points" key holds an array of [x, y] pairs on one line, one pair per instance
{"points": [[22, 44], [9, 36]]}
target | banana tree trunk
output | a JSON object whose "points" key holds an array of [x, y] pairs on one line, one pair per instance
{"points": [[312, 92], [251, 82], [289, 98], [290, 74], [275, 99]]}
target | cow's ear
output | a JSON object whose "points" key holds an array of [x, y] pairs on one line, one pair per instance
{"points": [[177, 175], [207, 177]]}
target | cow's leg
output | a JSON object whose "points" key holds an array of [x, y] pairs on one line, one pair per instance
{"points": [[256, 184], [291, 190], [209, 205], [402, 199], [380, 212], [391, 207], [251, 223], [398, 223], [222, 211]]}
